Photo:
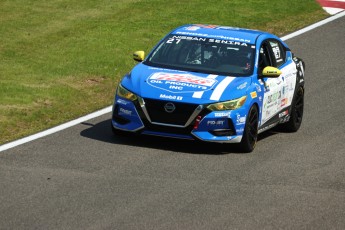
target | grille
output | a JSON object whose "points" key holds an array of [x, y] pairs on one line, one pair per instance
{"points": [[179, 116], [164, 129]]}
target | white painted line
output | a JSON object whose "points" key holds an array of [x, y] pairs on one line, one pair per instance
{"points": [[55, 129], [108, 109]]}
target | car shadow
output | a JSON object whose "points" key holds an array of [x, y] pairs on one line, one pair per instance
{"points": [[102, 132], [267, 134]]}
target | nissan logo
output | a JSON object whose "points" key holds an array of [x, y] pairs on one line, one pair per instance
{"points": [[169, 107]]}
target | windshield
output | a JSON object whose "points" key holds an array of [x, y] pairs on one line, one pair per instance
{"points": [[206, 55]]}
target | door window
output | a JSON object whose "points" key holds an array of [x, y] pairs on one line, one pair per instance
{"points": [[278, 53], [272, 53]]}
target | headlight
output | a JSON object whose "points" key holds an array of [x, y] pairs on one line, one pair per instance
{"points": [[122, 92], [228, 105]]}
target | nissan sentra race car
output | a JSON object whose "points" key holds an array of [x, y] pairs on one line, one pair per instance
{"points": [[212, 83]]}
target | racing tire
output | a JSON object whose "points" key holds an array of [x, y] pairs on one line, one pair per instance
{"points": [[296, 113], [250, 134]]}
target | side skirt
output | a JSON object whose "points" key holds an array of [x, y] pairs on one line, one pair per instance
{"points": [[281, 117]]}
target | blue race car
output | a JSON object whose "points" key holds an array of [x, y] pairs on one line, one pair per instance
{"points": [[212, 83]]}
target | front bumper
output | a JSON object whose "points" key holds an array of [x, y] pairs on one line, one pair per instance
{"points": [[189, 121]]}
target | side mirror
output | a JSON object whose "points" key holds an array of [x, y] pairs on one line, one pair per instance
{"points": [[139, 56], [270, 71]]}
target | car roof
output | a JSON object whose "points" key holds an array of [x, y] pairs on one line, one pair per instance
{"points": [[219, 32]]}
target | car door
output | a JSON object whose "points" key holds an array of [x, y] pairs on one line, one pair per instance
{"points": [[271, 54]]}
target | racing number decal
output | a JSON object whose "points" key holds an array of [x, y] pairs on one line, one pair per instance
{"points": [[171, 40]]}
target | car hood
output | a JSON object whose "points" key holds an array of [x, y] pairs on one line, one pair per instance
{"points": [[184, 86]]}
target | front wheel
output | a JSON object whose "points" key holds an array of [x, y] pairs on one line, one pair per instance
{"points": [[250, 134]]}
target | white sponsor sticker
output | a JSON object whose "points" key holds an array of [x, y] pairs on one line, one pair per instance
{"points": [[222, 114], [180, 83], [125, 111]]}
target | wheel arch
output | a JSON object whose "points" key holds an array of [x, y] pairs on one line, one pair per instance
{"points": [[256, 104]]}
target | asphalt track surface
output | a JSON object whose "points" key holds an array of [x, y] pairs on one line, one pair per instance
{"points": [[85, 178]]}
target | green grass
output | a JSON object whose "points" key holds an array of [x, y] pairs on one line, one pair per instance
{"points": [[60, 59]]}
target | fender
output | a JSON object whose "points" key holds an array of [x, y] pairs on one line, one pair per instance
{"points": [[300, 65]]}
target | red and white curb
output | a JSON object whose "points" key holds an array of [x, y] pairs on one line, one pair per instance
{"points": [[332, 6]]}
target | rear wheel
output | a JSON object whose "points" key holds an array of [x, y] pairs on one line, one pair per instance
{"points": [[250, 134], [296, 115]]}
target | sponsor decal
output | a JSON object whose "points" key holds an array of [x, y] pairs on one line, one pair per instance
{"points": [[121, 101], [253, 94], [273, 97], [274, 83], [272, 72], [268, 113], [241, 130], [180, 83], [192, 28], [242, 86], [218, 122], [276, 51], [222, 114], [284, 102], [178, 38], [268, 127], [258, 87], [206, 26], [192, 34], [163, 69], [228, 42], [282, 114], [284, 90], [288, 75], [241, 41], [199, 26], [171, 97], [240, 120], [291, 87], [125, 111], [272, 103]]}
